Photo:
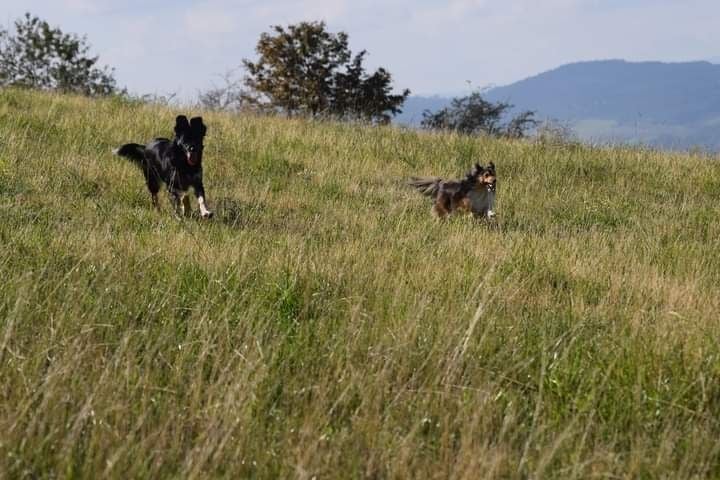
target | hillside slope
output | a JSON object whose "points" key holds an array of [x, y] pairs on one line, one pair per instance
{"points": [[323, 324]]}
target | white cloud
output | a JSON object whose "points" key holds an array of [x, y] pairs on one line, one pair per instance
{"points": [[204, 19], [87, 6], [288, 11], [428, 45]]}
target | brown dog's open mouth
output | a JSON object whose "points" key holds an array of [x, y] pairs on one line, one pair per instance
{"points": [[192, 158]]}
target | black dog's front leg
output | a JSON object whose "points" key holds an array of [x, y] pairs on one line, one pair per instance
{"points": [[200, 194]]}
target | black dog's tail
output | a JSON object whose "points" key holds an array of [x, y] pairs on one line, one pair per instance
{"points": [[132, 151], [426, 186]]}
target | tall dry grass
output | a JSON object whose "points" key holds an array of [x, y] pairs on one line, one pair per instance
{"points": [[324, 325]]}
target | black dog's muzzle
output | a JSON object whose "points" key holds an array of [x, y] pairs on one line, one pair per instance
{"points": [[192, 155]]}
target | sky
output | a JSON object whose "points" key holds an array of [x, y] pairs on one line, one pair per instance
{"points": [[431, 47]]}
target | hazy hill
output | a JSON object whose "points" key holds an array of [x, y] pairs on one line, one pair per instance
{"points": [[664, 104]]}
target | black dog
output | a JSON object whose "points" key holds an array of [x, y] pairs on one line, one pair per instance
{"points": [[176, 162]]}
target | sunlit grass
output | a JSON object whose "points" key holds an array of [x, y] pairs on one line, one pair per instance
{"points": [[324, 324]]}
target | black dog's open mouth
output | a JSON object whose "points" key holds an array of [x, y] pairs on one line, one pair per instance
{"points": [[192, 158]]}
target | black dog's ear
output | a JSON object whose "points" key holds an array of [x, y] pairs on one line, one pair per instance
{"points": [[197, 126], [491, 167], [181, 124]]}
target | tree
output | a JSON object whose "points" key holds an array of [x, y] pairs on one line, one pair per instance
{"points": [[368, 97], [38, 56], [304, 69], [553, 131], [473, 114], [228, 97]]}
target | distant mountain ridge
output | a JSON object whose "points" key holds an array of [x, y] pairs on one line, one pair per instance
{"points": [[674, 105]]}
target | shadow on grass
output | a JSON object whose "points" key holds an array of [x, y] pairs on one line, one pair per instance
{"points": [[238, 215]]}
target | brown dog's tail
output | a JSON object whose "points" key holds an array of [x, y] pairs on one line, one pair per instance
{"points": [[427, 186]]}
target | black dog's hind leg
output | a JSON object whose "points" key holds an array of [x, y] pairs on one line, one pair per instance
{"points": [[153, 184]]}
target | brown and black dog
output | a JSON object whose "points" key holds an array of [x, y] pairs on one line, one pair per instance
{"points": [[475, 193]]}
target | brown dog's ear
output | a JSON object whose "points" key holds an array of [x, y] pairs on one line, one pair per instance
{"points": [[197, 126], [477, 169], [181, 124]]}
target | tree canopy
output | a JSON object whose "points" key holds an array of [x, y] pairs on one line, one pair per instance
{"points": [[473, 114], [304, 69], [38, 56]]}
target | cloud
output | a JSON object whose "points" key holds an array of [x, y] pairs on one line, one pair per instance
{"points": [[206, 20], [428, 45], [218, 17], [87, 6], [288, 11]]}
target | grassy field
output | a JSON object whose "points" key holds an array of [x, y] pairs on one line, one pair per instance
{"points": [[324, 325]]}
